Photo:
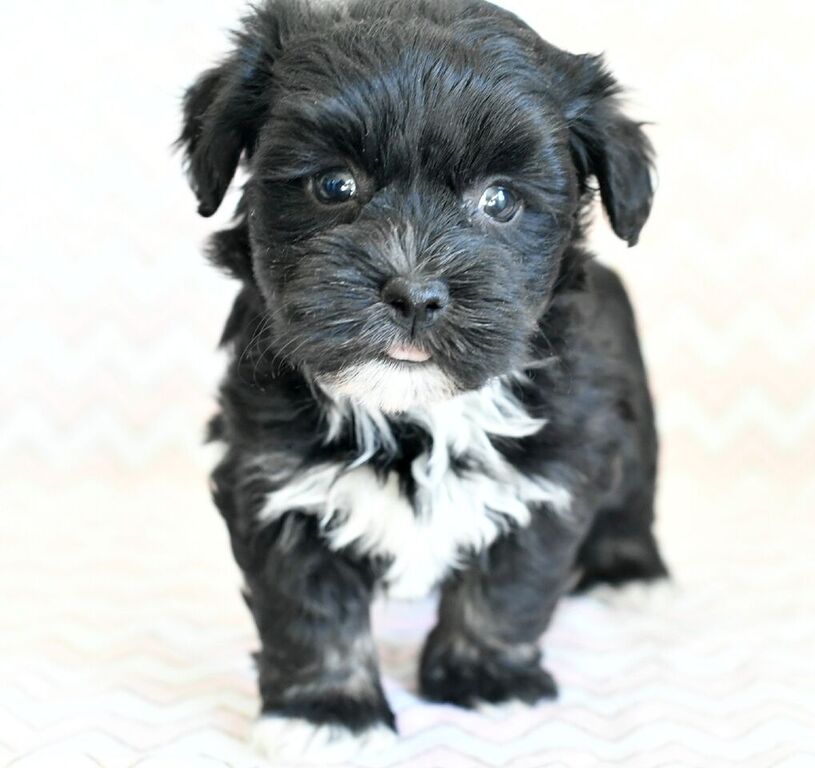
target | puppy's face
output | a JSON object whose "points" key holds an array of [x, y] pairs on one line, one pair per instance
{"points": [[408, 211], [412, 190]]}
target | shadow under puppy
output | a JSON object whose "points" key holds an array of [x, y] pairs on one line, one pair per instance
{"points": [[431, 383]]}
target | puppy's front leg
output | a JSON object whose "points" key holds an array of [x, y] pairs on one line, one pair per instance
{"points": [[491, 615], [319, 683]]}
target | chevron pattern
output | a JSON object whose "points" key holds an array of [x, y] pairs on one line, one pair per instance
{"points": [[123, 640]]}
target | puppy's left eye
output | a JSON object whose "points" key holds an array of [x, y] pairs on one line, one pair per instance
{"points": [[335, 186], [499, 203]]}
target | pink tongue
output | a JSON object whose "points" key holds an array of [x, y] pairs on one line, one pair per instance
{"points": [[409, 353]]}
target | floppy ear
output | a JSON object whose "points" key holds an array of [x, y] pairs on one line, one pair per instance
{"points": [[612, 148], [224, 110]]}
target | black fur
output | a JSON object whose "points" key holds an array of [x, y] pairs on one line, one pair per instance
{"points": [[427, 103]]}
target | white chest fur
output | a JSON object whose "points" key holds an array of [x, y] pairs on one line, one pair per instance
{"points": [[453, 510]]}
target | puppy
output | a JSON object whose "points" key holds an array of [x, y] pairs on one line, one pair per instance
{"points": [[431, 383]]}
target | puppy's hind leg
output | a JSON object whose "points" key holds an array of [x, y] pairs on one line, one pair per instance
{"points": [[620, 546]]}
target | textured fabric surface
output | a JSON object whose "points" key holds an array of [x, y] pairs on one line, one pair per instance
{"points": [[123, 639]]}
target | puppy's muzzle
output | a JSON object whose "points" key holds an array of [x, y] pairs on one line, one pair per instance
{"points": [[416, 303]]}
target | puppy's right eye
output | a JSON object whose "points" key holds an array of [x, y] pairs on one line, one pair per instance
{"points": [[335, 186]]}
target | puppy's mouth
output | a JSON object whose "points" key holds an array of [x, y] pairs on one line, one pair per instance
{"points": [[408, 353]]}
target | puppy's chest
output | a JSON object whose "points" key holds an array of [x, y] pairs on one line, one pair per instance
{"points": [[420, 538], [430, 514]]}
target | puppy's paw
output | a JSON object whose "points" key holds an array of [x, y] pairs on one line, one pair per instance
{"points": [[293, 741], [606, 559], [473, 686], [479, 677]]}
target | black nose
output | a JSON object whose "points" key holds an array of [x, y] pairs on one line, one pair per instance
{"points": [[416, 303]]}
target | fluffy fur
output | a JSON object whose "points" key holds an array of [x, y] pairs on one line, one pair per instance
{"points": [[451, 513], [282, 740], [514, 451]]}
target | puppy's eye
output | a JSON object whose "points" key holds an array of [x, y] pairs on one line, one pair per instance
{"points": [[334, 186], [499, 203]]}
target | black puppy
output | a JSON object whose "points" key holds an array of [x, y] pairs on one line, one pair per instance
{"points": [[431, 383]]}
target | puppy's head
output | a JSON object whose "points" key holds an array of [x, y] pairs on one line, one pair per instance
{"points": [[416, 173]]}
